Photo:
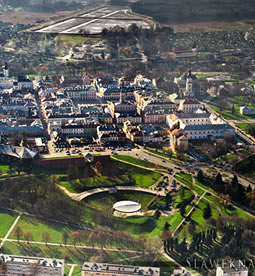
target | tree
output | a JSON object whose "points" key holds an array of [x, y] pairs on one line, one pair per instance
{"points": [[207, 212], [76, 237], [72, 172], [65, 237], [233, 109], [200, 175], [18, 232], [166, 226], [28, 236], [192, 227], [168, 200], [219, 184], [99, 167], [45, 237]]}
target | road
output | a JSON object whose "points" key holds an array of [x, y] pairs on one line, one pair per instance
{"points": [[156, 159], [243, 136]]}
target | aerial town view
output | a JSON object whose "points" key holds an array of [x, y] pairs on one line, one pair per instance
{"points": [[127, 137]]}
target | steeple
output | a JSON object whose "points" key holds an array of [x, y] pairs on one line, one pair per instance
{"points": [[6, 70]]}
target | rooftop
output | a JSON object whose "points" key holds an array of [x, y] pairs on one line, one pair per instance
{"points": [[123, 269]]}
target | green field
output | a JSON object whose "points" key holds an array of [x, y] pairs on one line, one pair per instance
{"points": [[6, 221], [136, 161], [36, 227], [238, 101], [125, 175], [76, 39], [74, 255]]}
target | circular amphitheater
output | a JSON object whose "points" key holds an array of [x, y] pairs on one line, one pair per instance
{"points": [[126, 206]]}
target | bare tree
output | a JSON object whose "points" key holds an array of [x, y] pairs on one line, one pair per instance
{"points": [[18, 232], [65, 237], [28, 236], [45, 237]]}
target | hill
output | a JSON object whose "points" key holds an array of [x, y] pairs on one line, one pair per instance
{"points": [[191, 11]]}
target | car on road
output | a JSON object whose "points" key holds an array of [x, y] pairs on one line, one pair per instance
{"points": [[145, 159], [164, 161]]}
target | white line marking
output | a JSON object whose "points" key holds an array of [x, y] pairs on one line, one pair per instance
{"points": [[55, 25], [91, 21]]}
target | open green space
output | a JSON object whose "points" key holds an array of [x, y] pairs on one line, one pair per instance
{"points": [[103, 201], [186, 176], [123, 175], [71, 254], [136, 161], [237, 101], [203, 76], [229, 210], [190, 185], [36, 227], [6, 220], [77, 39]]}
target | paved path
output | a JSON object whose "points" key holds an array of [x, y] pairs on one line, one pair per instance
{"points": [[9, 231], [151, 189], [71, 270]]}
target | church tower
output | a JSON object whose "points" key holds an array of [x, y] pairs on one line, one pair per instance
{"points": [[189, 89], [6, 70]]}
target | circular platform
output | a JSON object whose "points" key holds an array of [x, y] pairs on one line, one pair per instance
{"points": [[126, 206]]}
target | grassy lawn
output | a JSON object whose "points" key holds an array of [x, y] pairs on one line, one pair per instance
{"points": [[76, 39], [211, 170], [187, 176], [238, 101], [203, 76], [230, 211], [36, 227], [64, 157], [205, 184], [6, 219], [152, 227], [136, 161], [105, 201], [189, 184], [75, 255], [181, 196], [126, 175]]}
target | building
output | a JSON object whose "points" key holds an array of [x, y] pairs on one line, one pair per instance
{"points": [[82, 92], [133, 117], [30, 266], [245, 110], [188, 84], [189, 105], [24, 83], [195, 126], [232, 268], [14, 153], [97, 269]]}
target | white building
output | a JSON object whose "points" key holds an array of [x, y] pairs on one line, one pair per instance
{"points": [[189, 105], [235, 268], [245, 110]]}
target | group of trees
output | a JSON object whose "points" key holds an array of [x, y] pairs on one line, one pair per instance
{"points": [[39, 195], [236, 240], [229, 191]]}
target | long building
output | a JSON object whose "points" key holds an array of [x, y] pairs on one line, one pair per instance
{"points": [[30, 266], [99, 269]]}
